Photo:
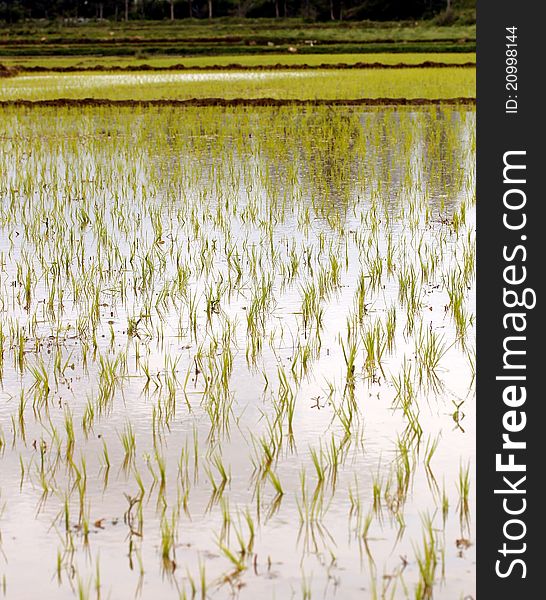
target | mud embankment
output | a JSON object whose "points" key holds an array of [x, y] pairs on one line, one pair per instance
{"points": [[235, 102]]}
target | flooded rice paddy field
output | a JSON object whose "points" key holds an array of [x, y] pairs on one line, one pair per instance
{"points": [[237, 353], [286, 83]]}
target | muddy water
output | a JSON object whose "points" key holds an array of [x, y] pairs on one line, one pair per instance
{"points": [[168, 255]]}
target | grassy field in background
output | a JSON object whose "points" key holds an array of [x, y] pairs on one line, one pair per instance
{"points": [[232, 37], [273, 29], [253, 60]]}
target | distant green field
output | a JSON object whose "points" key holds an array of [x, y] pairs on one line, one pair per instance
{"points": [[232, 37], [313, 84], [245, 29], [56, 62]]}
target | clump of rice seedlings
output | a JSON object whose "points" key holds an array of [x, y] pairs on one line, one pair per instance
{"points": [[335, 456], [405, 468], [311, 309], [167, 546], [364, 526], [348, 417], [275, 481], [266, 449], [110, 372], [311, 508], [463, 487], [350, 349], [218, 484], [20, 419], [430, 449], [18, 336], [406, 400], [429, 350], [128, 441], [377, 491], [70, 435], [81, 485], [468, 261], [106, 456], [318, 462], [456, 288], [161, 466], [239, 558], [427, 561], [286, 402], [237, 561], [445, 505], [40, 387], [374, 343], [390, 328], [409, 294], [88, 418], [360, 298]]}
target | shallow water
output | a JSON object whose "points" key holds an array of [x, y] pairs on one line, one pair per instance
{"points": [[192, 277]]}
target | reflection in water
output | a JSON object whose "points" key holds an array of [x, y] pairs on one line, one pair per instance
{"points": [[238, 352]]}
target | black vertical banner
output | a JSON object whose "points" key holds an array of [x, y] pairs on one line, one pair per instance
{"points": [[511, 246]]}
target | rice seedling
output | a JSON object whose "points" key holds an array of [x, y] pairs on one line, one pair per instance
{"points": [[349, 354], [276, 483], [374, 343], [427, 561], [168, 554], [128, 441], [390, 328], [445, 505]]}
